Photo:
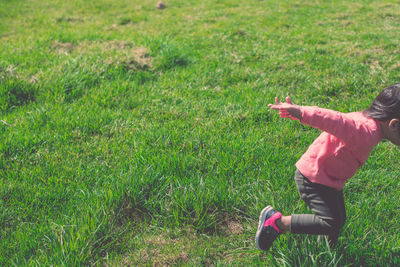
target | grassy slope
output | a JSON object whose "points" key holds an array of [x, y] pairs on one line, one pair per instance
{"points": [[142, 136]]}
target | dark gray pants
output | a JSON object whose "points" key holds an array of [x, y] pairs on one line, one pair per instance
{"points": [[328, 207]]}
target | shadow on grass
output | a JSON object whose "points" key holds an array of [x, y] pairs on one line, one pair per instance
{"points": [[15, 92]]}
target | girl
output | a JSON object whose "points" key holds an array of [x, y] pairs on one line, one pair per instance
{"points": [[333, 158]]}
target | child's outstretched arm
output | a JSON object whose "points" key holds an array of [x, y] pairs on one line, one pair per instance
{"points": [[339, 124], [288, 109]]}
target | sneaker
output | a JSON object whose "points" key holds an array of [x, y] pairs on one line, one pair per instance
{"points": [[267, 230]]}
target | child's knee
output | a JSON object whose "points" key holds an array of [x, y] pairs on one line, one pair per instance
{"points": [[333, 225]]}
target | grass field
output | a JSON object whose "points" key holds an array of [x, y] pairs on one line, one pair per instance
{"points": [[137, 136]]}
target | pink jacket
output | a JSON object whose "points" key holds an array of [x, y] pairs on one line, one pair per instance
{"points": [[342, 148]]}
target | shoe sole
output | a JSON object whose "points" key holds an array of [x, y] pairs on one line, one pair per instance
{"points": [[261, 222]]}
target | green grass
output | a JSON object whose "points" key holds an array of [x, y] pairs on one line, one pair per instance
{"points": [[132, 135]]}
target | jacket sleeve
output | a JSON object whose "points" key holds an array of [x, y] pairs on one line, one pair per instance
{"points": [[336, 123]]}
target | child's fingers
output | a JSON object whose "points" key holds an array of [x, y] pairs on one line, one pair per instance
{"points": [[281, 106], [287, 115], [277, 101], [284, 114], [288, 100], [276, 107]]}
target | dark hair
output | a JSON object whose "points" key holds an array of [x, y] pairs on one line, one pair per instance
{"points": [[386, 105]]}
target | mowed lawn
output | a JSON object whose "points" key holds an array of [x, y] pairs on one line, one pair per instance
{"points": [[131, 135]]}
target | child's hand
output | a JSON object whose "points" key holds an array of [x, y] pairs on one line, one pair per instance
{"points": [[288, 109]]}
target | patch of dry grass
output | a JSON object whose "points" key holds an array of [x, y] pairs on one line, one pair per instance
{"points": [[119, 53]]}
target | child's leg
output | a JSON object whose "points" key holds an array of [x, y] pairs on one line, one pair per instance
{"points": [[333, 237], [328, 207], [328, 218]]}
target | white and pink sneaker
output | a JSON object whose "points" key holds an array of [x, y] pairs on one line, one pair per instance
{"points": [[267, 230]]}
